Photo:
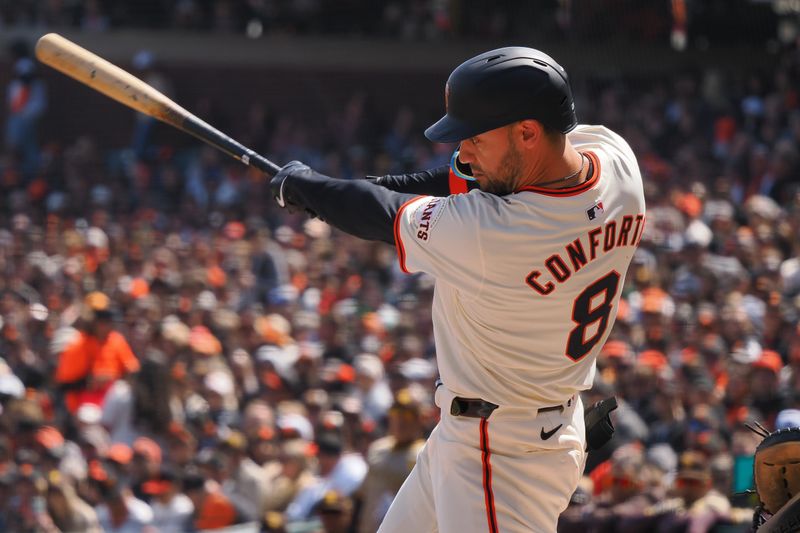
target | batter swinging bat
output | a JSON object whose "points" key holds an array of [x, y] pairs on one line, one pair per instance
{"points": [[94, 71]]}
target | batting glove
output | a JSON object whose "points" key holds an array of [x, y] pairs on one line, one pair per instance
{"points": [[281, 189]]}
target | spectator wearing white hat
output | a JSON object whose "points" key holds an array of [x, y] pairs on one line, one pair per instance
{"points": [[219, 390], [338, 470], [371, 387]]}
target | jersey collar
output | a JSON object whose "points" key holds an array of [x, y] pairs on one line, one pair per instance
{"points": [[571, 191]]}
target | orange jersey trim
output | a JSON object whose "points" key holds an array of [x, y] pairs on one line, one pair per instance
{"points": [[571, 191], [457, 185], [488, 494], [398, 241]]}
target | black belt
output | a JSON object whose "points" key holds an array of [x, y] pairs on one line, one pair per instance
{"points": [[472, 407], [477, 408]]}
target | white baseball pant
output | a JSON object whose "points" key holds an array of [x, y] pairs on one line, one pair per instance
{"points": [[495, 474]]}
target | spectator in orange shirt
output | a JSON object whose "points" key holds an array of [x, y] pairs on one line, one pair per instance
{"points": [[212, 509], [97, 357]]}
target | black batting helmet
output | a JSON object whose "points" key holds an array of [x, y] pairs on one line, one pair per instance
{"points": [[502, 86]]}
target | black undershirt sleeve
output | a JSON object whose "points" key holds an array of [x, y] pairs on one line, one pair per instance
{"points": [[356, 207], [433, 182]]}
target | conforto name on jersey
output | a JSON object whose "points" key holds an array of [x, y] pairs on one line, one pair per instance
{"points": [[601, 239]]}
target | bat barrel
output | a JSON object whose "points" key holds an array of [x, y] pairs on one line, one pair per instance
{"points": [[107, 78]]}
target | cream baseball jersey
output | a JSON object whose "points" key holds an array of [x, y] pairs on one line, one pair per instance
{"points": [[528, 284]]}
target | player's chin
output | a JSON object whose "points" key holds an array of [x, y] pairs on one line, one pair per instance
{"points": [[486, 184]]}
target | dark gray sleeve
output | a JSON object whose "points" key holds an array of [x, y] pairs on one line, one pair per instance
{"points": [[356, 207], [434, 182]]}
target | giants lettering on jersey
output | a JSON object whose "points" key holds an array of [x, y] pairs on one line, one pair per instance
{"points": [[424, 218], [582, 251]]}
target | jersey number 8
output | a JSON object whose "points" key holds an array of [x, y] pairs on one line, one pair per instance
{"points": [[585, 315]]}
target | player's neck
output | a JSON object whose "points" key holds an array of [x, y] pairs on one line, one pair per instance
{"points": [[560, 168]]}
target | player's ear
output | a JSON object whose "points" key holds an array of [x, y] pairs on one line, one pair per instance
{"points": [[531, 131]]}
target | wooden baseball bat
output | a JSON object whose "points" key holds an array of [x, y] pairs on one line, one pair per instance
{"points": [[90, 69]]}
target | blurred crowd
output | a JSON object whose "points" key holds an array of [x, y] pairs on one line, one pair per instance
{"points": [[180, 355], [410, 19], [584, 20]]}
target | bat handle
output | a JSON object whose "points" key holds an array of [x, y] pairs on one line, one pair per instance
{"points": [[208, 133], [263, 164]]}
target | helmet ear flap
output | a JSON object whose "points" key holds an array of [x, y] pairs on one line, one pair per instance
{"points": [[462, 170]]}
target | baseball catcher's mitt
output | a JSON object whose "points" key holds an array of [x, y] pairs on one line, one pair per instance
{"points": [[776, 471]]}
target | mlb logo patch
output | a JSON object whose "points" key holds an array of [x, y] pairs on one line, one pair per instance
{"points": [[595, 211]]}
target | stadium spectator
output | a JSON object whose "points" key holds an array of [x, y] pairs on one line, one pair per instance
{"points": [[246, 485], [392, 457], [172, 510], [69, 513], [339, 470], [212, 509], [335, 512], [119, 511], [294, 476], [96, 358], [26, 103]]}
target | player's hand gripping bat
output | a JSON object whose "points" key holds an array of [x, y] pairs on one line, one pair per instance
{"points": [[101, 75]]}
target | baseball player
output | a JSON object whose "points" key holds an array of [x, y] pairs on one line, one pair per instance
{"points": [[529, 266]]}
